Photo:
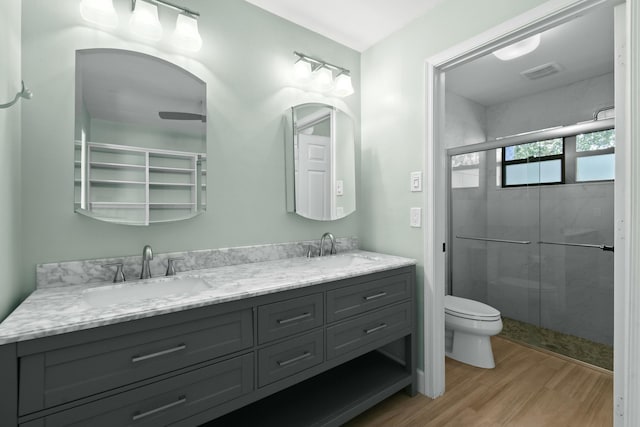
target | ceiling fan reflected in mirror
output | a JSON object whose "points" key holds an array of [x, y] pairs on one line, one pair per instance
{"points": [[178, 115]]}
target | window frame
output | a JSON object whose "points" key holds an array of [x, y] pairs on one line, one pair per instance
{"points": [[568, 161]]}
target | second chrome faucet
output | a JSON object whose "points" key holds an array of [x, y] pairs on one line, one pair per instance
{"points": [[147, 255]]}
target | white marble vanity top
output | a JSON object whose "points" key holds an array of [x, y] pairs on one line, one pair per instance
{"points": [[56, 310]]}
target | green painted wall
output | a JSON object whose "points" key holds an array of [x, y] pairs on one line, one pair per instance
{"points": [[393, 120], [246, 60], [11, 290]]}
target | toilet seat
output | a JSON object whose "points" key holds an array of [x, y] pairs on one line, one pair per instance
{"points": [[469, 309]]}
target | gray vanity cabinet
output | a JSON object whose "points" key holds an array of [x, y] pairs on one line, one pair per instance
{"points": [[350, 343]]}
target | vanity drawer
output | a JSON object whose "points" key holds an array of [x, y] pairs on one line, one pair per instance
{"points": [[290, 357], [348, 301], [289, 317], [59, 376], [355, 333], [163, 402]]}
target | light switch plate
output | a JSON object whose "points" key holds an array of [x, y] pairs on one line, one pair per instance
{"points": [[415, 217], [416, 181], [339, 187]]}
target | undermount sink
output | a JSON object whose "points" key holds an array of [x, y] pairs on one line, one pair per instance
{"points": [[343, 260], [104, 296]]}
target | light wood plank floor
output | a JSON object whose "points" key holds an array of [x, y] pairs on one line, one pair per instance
{"points": [[527, 388]]}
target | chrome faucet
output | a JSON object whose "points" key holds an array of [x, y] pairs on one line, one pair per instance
{"points": [[147, 254], [332, 251]]}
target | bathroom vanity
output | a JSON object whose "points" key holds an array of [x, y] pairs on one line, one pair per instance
{"points": [[300, 341]]}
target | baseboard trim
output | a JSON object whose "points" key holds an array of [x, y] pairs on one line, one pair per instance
{"points": [[421, 385]]}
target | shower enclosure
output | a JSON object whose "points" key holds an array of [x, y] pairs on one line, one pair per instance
{"points": [[531, 230]]}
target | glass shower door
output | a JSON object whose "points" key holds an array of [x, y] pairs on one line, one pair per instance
{"points": [[576, 224], [493, 231]]}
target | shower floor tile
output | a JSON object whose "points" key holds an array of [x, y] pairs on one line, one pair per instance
{"points": [[568, 345]]}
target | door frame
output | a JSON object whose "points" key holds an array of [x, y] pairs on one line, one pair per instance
{"points": [[626, 298]]}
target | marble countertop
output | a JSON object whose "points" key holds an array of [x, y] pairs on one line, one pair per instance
{"points": [[56, 310]]}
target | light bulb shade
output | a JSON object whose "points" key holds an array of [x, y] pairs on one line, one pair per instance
{"points": [[144, 21], [186, 35], [322, 79], [302, 72], [518, 49], [99, 12], [343, 86]]}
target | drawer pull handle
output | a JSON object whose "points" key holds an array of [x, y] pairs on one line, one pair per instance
{"points": [[293, 319], [376, 329], [180, 401], [375, 296], [136, 359], [303, 356]]}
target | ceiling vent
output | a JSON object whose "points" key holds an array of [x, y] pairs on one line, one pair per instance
{"points": [[541, 71]]}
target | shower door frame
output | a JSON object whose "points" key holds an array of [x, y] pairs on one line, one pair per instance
{"points": [[488, 147], [627, 205]]}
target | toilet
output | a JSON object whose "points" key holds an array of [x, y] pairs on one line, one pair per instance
{"points": [[468, 327]]}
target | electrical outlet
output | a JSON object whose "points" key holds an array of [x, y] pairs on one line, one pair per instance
{"points": [[415, 216]]}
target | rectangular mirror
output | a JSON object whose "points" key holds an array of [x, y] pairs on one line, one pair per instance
{"points": [[320, 156], [140, 138]]}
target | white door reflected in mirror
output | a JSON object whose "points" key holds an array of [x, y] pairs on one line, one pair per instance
{"points": [[320, 153]]}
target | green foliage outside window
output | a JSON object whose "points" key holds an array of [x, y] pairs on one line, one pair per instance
{"points": [[596, 140], [549, 147]]}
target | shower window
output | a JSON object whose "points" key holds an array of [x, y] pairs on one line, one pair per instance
{"points": [[585, 157], [465, 170], [595, 158], [540, 162]]}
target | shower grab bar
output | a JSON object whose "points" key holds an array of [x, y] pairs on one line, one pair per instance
{"points": [[485, 239], [605, 248]]}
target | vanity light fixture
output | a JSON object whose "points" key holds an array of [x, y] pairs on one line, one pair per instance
{"points": [[99, 12], [343, 85], [144, 21], [518, 49], [186, 35], [317, 75]]}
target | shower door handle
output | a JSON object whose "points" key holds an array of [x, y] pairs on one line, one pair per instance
{"points": [[605, 248], [487, 239]]}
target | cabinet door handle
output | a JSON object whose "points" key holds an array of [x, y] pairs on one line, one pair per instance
{"points": [[140, 415], [375, 296], [295, 359], [376, 329], [293, 319], [136, 359]]}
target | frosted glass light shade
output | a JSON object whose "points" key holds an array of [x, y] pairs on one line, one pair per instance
{"points": [[518, 49], [99, 12], [144, 21], [302, 71], [322, 80], [343, 86], [186, 35]]}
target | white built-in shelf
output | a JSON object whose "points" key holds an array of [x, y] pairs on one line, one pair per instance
{"points": [[109, 165], [124, 170], [116, 181]]}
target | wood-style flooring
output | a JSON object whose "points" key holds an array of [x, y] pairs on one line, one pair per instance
{"points": [[527, 388]]}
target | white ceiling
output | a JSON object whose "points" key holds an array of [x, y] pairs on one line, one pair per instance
{"points": [[583, 48], [357, 24]]}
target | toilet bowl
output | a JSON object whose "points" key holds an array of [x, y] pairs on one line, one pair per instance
{"points": [[468, 327]]}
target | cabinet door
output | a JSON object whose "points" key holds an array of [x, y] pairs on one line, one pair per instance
{"points": [[361, 331], [166, 401], [351, 300], [290, 357], [289, 317], [60, 376]]}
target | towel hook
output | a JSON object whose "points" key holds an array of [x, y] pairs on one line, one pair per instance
{"points": [[24, 93]]}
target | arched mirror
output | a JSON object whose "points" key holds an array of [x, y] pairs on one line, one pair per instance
{"points": [[320, 152], [140, 138]]}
